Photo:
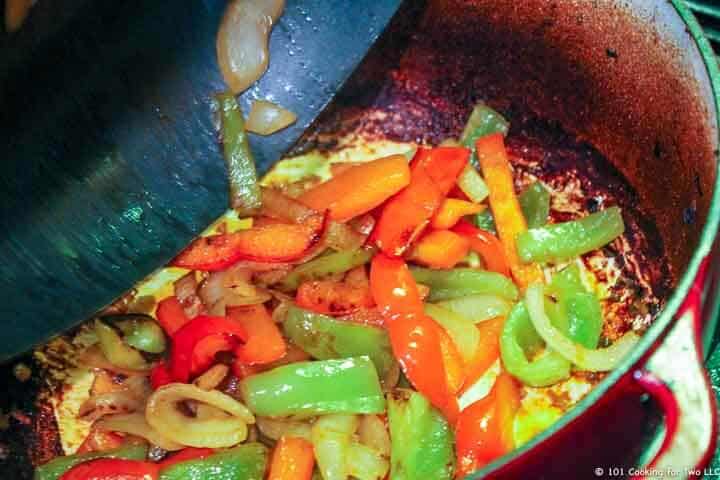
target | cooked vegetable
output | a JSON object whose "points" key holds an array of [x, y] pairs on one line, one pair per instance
{"points": [[212, 377], [518, 341], [325, 338], [245, 462], [170, 315], [364, 463], [220, 420], [485, 429], [292, 459], [348, 385], [440, 249], [56, 467], [577, 312], [334, 298], [230, 288], [535, 204], [139, 331], [122, 401], [326, 265], [359, 189], [112, 469], [422, 440], [276, 428], [443, 164], [242, 177], [462, 331], [460, 282], [451, 211], [266, 118], [486, 245], [483, 121], [487, 353], [563, 241], [471, 184], [331, 438], [478, 308], [594, 360], [485, 221], [136, 424], [184, 455], [116, 350], [264, 343], [373, 433], [242, 41]]}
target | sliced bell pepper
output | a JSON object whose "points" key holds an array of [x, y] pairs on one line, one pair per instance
{"points": [[242, 176], [320, 267], [509, 219], [440, 249], [245, 462], [563, 241], [274, 243], [112, 469], [488, 350], [535, 204], [405, 215], [471, 184], [292, 459], [518, 339], [452, 362], [264, 342], [348, 385], [116, 350], [324, 338], [452, 210], [186, 339], [484, 430], [486, 245], [578, 313], [55, 468], [184, 455], [206, 350], [160, 375], [483, 121], [422, 440], [414, 336], [333, 298], [359, 189], [460, 329], [140, 331], [443, 164], [171, 315], [485, 221], [461, 282]]}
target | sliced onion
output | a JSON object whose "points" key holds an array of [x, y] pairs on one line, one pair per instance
{"points": [[266, 118], [221, 422], [242, 41], [478, 308], [373, 433], [186, 289], [593, 360], [136, 424], [212, 377], [276, 428], [122, 401], [461, 330], [93, 357], [230, 288]]}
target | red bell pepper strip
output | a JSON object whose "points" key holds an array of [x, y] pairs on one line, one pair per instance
{"points": [[112, 469], [185, 340], [293, 459], [414, 337], [484, 430], [264, 343], [443, 164], [184, 455], [488, 350], [171, 315], [487, 245], [206, 350], [160, 375], [333, 298], [452, 361], [271, 243]]}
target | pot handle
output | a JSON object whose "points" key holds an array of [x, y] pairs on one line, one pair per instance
{"points": [[675, 377]]}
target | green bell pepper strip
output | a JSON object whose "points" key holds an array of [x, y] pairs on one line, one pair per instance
{"points": [[321, 267], [483, 121], [485, 221], [245, 196], [472, 184], [461, 282], [325, 338], [422, 440], [116, 350], [535, 204], [245, 462], [517, 338], [577, 313], [563, 241], [139, 331], [55, 468], [347, 385]]}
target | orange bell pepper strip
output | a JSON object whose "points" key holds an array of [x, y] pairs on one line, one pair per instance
{"points": [[443, 164], [508, 216], [185, 454], [440, 249], [292, 459], [415, 338], [333, 298], [452, 361], [486, 245], [264, 342], [359, 189], [488, 350], [112, 469], [451, 212], [484, 430], [171, 315], [272, 243]]}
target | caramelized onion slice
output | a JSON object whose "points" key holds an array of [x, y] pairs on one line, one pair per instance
{"points": [[135, 424], [266, 118], [242, 41]]}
